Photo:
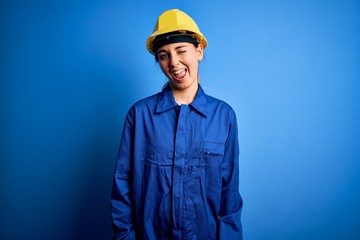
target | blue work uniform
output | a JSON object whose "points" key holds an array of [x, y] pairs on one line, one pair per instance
{"points": [[177, 171]]}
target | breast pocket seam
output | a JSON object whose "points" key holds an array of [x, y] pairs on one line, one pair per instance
{"points": [[213, 149]]}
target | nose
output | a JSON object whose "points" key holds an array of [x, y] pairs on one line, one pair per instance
{"points": [[174, 60]]}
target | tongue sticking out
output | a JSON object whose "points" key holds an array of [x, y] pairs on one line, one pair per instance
{"points": [[180, 74]]}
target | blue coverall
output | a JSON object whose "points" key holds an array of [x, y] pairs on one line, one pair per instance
{"points": [[177, 171]]}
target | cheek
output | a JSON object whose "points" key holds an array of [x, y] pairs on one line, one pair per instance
{"points": [[194, 64], [162, 67]]}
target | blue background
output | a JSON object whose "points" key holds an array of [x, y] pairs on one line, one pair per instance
{"points": [[71, 69]]}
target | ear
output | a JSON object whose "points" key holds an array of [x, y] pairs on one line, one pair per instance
{"points": [[200, 52]]}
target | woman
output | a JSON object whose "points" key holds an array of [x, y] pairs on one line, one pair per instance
{"points": [[177, 171]]}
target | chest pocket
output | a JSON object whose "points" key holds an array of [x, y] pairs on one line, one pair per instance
{"points": [[213, 151], [213, 156], [158, 155]]}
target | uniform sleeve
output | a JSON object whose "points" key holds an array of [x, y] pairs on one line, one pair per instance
{"points": [[231, 202], [121, 201]]}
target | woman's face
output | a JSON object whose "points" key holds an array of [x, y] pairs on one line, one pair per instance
{"points": [[179, 62]]}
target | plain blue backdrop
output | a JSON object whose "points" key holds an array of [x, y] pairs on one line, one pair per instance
{"points": [[71, 69]]}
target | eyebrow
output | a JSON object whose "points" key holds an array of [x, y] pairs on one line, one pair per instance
{"points": [[181, 46]]}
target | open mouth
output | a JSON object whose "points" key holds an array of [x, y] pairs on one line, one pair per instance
{"points": [[179, 74]]}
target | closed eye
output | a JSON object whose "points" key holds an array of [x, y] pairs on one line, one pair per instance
{"points": [[181, 49]]}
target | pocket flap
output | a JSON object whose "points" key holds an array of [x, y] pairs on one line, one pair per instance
{"points": [[214, 149]]}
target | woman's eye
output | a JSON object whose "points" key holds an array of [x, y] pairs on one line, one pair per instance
{"points": [[163, 56], [183, 51]]}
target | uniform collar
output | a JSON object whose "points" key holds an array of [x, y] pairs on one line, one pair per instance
{"points": [[200, 102], [166, 101]]}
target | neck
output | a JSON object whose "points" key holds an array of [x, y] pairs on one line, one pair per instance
{"points": [[185, 96]]}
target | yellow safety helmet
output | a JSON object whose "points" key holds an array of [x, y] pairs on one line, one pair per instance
{"points": [[171, 21]]}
